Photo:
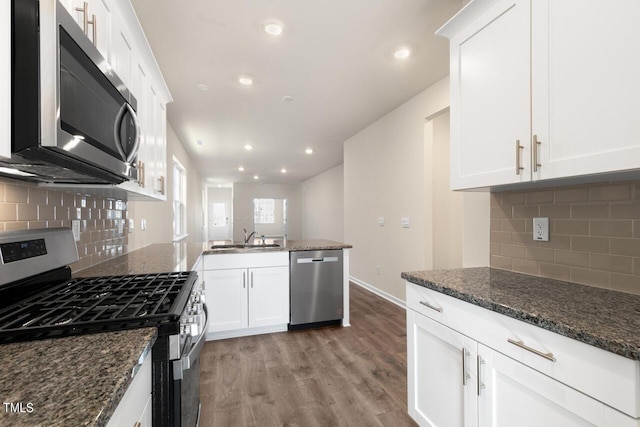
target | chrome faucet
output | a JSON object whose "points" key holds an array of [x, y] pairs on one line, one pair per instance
{"points": [[247, 238]]}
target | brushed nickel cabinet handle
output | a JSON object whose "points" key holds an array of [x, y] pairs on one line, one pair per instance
{"points": [[535, 146], [518, 148], [94, 32], [137, 424], [548, 356], [432, 307], [85, 16], [481, 385], [465, 375], [244, 279]]}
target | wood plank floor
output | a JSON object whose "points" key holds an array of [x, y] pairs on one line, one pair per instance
{"points": [[354, 376]]}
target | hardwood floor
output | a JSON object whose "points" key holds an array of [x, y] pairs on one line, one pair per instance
{"points": [[354, 376]]}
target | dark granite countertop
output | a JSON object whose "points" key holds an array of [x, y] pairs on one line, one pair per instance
{"points": [[603, 318], [285, 246], [163, 257], [72, 381], [156, 258]]}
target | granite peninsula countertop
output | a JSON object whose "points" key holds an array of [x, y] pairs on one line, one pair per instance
{"points": [[606, 319], [71, 381], [286, 246], [164, 257]]}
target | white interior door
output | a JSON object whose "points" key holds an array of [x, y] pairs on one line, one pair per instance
{"points": [[219, 220]]}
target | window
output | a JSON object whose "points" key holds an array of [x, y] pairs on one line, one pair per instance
{"points": [[264, 211], [179, 201]]}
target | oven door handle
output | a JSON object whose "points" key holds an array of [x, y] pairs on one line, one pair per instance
{"points": [[189, 359]]}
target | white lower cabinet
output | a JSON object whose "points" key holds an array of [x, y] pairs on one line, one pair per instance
{"points": [[134, 408], [246, 293], [463, 371], [437, 356]]}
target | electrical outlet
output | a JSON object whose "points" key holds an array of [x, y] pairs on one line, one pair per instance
{"points": [[378, 270], [541, 229], [381, 221]]}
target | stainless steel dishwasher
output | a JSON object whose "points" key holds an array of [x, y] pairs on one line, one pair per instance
{"points": [[316, 280]]}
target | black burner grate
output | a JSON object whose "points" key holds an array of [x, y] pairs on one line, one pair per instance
{"points": [[96, 304]]}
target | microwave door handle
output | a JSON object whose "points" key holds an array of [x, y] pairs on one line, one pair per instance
{"points": [[136, 144], [128, 158]]}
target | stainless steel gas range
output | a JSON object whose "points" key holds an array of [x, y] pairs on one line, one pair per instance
{"points": [[39, 299]]}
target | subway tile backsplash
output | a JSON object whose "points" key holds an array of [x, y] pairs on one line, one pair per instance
{"points": [[594, 234], [103, 226]]}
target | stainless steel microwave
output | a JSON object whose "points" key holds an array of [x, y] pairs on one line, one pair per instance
{"points": [[73, 119]]}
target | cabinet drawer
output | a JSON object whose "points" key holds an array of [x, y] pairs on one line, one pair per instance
{"points": [[605, 376], [247, 260]]}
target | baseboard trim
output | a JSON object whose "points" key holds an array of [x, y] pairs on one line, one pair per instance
{"points": [[393, 299]]}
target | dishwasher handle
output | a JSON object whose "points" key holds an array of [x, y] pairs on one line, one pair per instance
{"points": [[316, 260]]}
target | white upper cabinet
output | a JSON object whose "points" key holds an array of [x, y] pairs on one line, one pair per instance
{"points": [[586, 86], [543, 89], [490, 98], [5, 80], [94, 17]]}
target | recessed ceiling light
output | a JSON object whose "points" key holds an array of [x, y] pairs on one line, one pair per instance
{"points": [[241, 168], [309, 151], [200, 142], [283, 170], [248, 147], [287, 98], [255, 177], [273, 28], [402, 53], [203, 87], [245, 80]]}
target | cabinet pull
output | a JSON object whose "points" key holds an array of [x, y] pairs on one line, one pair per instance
{"points": [[137, 424], [535, 145], [94, 30], [432, 307], [244, 279], [252, 280], [141, 179], [518, 148], [85, 16], [481, 385], [161, 179], [548, 356], [465, 375]]}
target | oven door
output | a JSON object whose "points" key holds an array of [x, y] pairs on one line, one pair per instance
{"points": [[87, 111], [186, 380]]}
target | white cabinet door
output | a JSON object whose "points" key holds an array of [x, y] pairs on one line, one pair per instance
{"points": [[226, 296], [122, 55], [440, 394], [95, 21], [516, 395], [268, 296], [5, 80], [490, 98], [586, 63]]}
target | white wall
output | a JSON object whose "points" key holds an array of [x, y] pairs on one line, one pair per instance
{"points": [[159, 214], [393, 169], [243, 195], [323, 205]]}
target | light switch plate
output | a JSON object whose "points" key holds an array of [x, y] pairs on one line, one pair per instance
{"points": [[541, 229], [381, 221], [405, 222]]}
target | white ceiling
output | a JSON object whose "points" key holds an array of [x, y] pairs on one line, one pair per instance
{"points": [[335, 57]]}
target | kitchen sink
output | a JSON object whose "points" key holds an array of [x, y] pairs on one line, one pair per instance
{"points": [[243, 246]]}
